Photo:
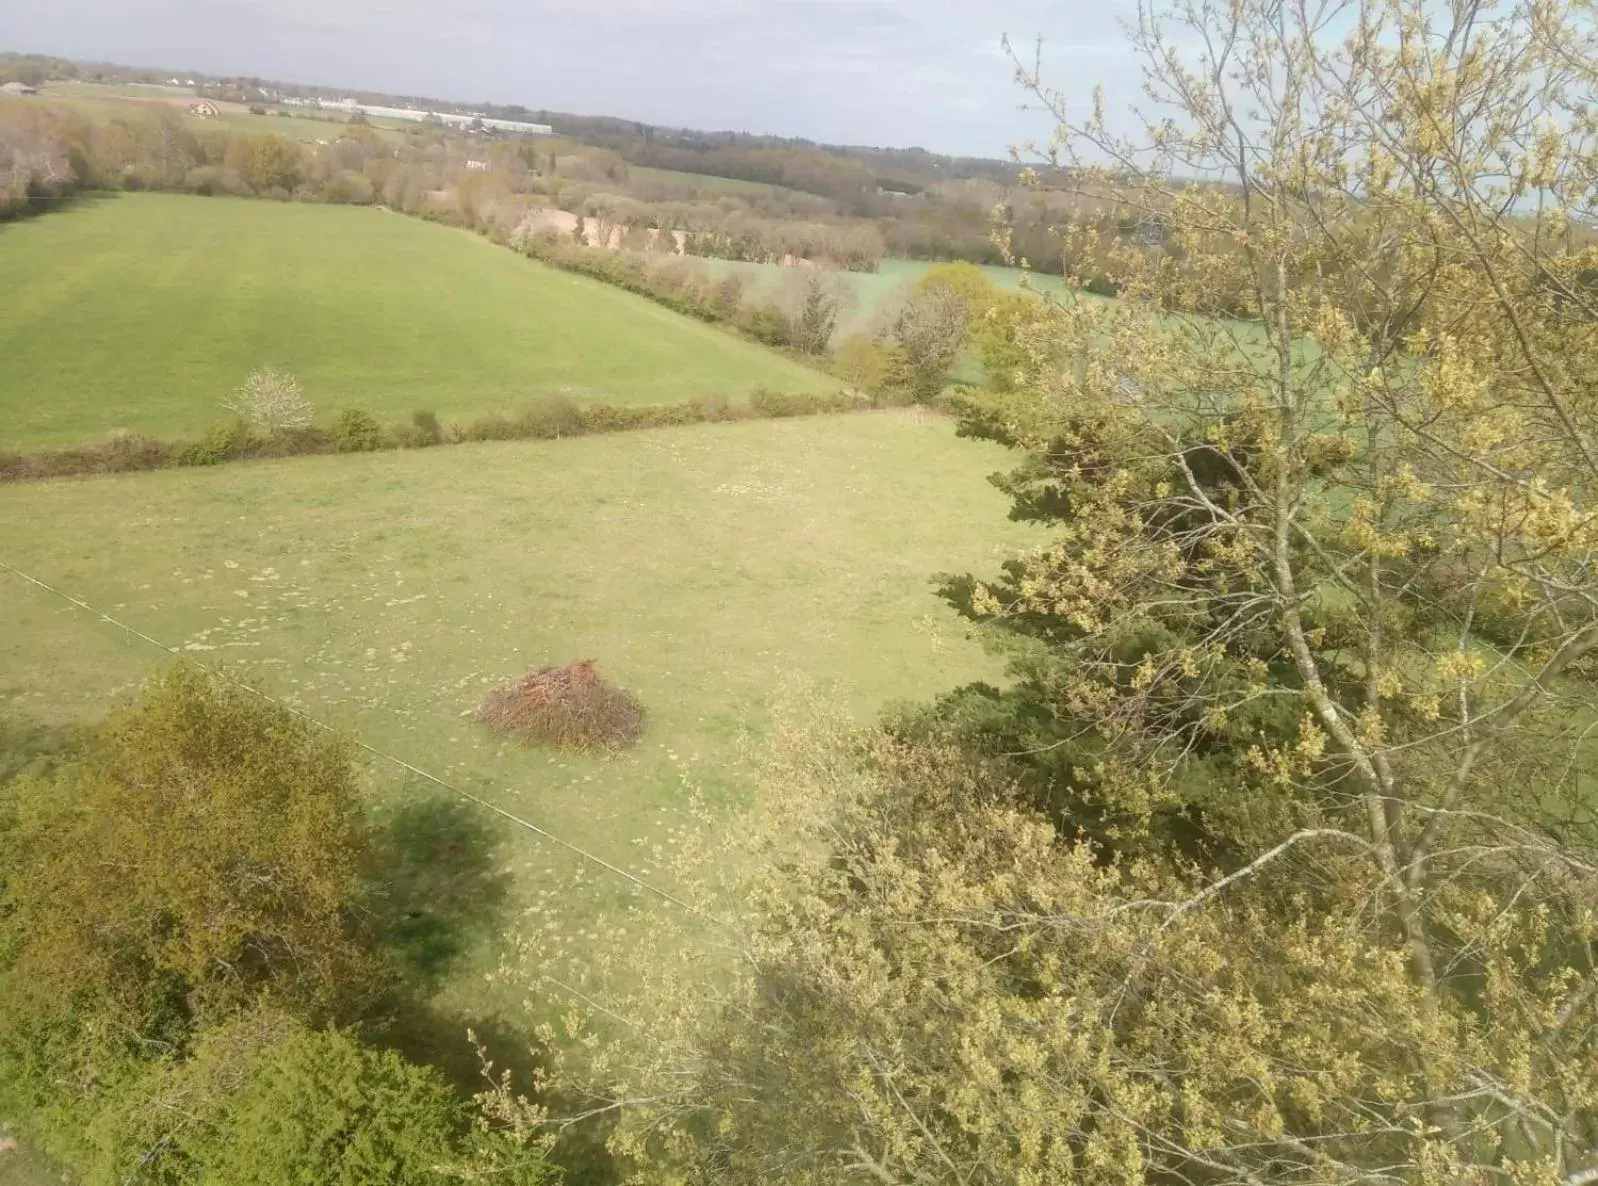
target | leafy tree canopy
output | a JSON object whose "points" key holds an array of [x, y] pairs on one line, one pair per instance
{"points": [[209, 846], [319, 1108], [184, 909]]}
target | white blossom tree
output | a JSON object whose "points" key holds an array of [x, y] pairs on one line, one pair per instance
{"points": [[271, 401]]}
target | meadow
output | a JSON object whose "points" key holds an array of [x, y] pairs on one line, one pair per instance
{"points": [[23, 1166], [705, 568], [109, 102], [704, 181], [143, 311], [875, 295]]}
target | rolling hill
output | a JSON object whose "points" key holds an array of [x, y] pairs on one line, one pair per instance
{"points": [[142, 312]]}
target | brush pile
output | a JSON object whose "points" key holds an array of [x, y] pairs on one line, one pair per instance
{"points": [[570, 707]]}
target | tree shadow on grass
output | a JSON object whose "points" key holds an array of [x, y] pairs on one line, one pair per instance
{"points": [[440, 894], [42, 204], [439, 889], [32, 748], [456, 1046], [484, 1053]]}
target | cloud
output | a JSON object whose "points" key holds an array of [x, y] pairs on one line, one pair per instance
{"points": [[899, 72]]}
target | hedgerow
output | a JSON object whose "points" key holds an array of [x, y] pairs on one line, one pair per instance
{"points": [[546, 418]]}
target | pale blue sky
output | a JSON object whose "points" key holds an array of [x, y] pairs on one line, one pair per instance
{"points": [[893, 72]]}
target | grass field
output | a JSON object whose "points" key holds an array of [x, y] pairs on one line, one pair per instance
{"points": [[701, 567], [875, 293], [725, 185], [24, 1167], [142, 311], [108, 102]]}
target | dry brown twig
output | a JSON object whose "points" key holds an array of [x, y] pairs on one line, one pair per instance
{"points": [[570, 707]]}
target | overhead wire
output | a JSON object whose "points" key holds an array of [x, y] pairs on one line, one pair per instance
{"points": [[542, 832]]}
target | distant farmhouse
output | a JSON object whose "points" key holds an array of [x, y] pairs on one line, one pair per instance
{"points": [[18, 88]]}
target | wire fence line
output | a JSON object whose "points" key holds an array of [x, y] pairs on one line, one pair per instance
{"points": [[393, 759]]}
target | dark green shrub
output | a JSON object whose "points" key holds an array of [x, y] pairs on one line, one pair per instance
{"points": [[292, 442], [319, 1107], [729, 295], [427, 427], [357, 431], [689, 412], [610, 418], [658, 416], [403, 436], [492, 427], [128, 451], [550, 417], [212, 785], [766, 324], [714, 407], [422, 432], [776, 404], [217, 445], [813, 322]]}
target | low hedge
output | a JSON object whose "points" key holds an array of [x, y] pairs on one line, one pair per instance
{"points": [[548, 418]]}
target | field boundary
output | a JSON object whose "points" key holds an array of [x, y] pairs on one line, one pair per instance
{"points": [[647, 275], [550, 418]]}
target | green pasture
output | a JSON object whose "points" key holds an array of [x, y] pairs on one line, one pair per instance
{"points": [[311, 129], [27, 1167], [143, 311], [106, 102], [874, 296], [704, 181], [705, 568]]}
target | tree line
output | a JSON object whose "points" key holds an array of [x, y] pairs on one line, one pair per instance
{"points": [[48, 151]]}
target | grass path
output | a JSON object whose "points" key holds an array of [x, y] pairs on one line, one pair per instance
{"points": [[142, 311]]}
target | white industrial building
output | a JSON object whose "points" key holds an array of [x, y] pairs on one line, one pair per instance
{"points": [[453, 119]]}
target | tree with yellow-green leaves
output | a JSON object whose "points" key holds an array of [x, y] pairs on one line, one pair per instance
{"points": [[210, 854], [966, 280], [190, 899], [1004, 336], [1274, 861]]}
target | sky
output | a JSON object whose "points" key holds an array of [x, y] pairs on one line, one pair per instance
{"points": [[899, 73]]}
